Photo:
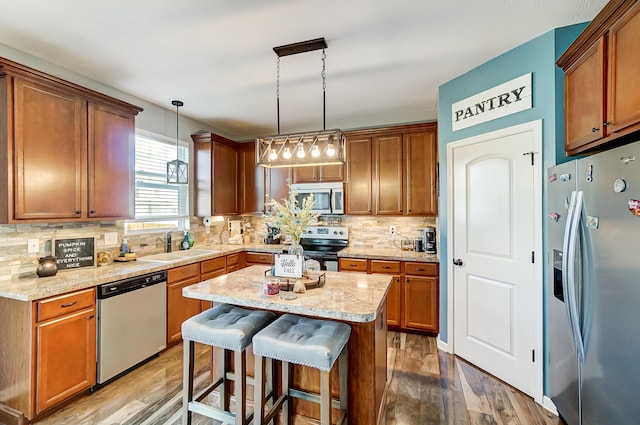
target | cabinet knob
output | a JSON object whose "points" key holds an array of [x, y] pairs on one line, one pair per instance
{"points": [[457, 262], [93, 211], [595, 130], [606, 123], [78, 212]]}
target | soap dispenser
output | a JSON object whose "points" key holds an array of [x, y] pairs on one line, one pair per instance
{"points": [[185, 241]]}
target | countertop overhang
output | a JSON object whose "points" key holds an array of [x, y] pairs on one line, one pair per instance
{"points": [[351, 297]]}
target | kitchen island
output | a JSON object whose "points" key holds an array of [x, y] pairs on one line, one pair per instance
{"points": [[354, 298]]}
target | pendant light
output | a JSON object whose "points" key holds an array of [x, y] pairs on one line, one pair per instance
{"points": [[301, 149], [177, 171]]}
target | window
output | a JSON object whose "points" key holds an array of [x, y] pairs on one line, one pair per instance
{"points": [[159, 205]]}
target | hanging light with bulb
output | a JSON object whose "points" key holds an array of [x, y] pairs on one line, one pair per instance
{"points": [[301, 149], [177, 171]]}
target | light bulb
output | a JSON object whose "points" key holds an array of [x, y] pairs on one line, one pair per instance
{"points": [[273, 155], [331, 150], [315, 152], [300, 152], [286, 154]]}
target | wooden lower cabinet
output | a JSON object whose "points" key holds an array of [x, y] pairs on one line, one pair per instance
{"points": [[65, 347], [180, 308], [254, 258], [394, 302], [393, 296], [412, 300], [420, 297]]}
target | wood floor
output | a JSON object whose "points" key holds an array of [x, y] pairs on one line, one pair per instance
{"points": [[427, 386]]}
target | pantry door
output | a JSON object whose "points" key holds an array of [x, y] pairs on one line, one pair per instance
{"points": [[496, 258]]}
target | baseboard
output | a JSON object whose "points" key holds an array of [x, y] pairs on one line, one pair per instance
{"points": [[10, 416], [548, 404], [443, 345]]}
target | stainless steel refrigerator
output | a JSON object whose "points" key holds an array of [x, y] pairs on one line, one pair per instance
{"points": [[593, 291]]}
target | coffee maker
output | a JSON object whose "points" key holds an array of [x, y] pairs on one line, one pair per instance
{"points": [[430, 240]]}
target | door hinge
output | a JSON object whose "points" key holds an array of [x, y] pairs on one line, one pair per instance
{"points": [[533, 257], [532, 156], [533, 356]]}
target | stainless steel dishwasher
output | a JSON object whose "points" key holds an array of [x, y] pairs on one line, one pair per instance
{"points": [[132, 323]]}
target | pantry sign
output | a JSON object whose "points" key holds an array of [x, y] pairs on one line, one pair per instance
{"points": [[505, 99]]}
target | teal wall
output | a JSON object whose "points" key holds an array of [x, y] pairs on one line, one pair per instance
{"points": [[537, 57]]}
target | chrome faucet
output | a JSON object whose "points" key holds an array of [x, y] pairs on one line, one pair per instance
{"points": [[168, 237]]}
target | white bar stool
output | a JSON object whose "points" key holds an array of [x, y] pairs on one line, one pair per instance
{"points": [[308, 342], [230, 328]]}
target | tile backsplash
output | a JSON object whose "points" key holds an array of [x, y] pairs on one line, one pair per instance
{"points": [[364, 232]]}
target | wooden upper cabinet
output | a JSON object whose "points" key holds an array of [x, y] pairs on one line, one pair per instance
{"points": [[602, 93], [388, 173], [277, 180], [359, 175], [111, 163], [50, 144], [67, 150], [315, 174], [251, 180], [420, 173], [225, 179], [393, 171], [623, 113], [216, 171], [584, 98]]}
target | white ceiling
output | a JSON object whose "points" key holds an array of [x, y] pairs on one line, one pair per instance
{"points": [[385, 59]]}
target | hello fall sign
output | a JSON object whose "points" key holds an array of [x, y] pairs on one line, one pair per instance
{"points": [[287, 265], [499, 101]]}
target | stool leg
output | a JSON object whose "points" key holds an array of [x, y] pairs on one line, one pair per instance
{"points": [[286, 383], [343, 372], [325, 398], [187, 380], [272, 380], [258, 391], [240, 360], [224, 388]]}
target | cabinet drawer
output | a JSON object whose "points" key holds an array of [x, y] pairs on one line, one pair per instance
{"points": [[65, 304], [421, 269], [233, 259], [381, 266], [213, 265], [353, 264], [259, 258], [184, 272]]}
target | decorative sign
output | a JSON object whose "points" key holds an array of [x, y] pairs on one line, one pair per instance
{"points": [[287, 265], [74, 253], [505, 99]]}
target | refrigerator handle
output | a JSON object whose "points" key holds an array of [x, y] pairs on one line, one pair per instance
{"points": [[566, 278], [571, 278]]}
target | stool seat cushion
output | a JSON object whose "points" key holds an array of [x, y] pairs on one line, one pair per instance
{"points": [[226, 326], [300, 340]]}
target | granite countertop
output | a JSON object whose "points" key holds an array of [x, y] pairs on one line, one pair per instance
{"points": [[388, 254], [351, 297], [32, 287]]}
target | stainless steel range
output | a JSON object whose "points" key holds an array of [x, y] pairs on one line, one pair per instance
{"points": [[322, 243]]}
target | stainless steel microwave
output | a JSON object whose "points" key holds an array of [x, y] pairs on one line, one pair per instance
{"points": [[328, 197]]}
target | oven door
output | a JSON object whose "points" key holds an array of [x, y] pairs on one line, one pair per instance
{"points": [[328, 261]]}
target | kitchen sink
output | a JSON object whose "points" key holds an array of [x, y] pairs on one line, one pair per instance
{"points": [[168, 257]]}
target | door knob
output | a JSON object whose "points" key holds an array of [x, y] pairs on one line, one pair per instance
{"points": [[457, 262]]}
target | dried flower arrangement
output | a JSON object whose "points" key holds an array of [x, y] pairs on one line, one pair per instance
{"points": [[292, 219]]}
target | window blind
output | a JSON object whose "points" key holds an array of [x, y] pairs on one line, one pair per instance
{"points": [[154, 197]]}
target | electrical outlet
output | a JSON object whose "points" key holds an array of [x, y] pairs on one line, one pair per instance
{"points": [[111, 239], [392, 230], [33, 246]]}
